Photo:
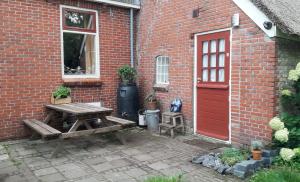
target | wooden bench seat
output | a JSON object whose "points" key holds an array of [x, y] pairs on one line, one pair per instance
{"points": [[120, 121], [41, 128]]}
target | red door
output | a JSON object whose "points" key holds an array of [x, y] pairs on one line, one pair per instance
{"points": [[213, 85]]}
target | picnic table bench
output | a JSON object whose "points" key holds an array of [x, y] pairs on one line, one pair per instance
{"points": [[83, 113]]}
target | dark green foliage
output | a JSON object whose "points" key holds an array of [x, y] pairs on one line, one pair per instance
{"points": [[232, 156], [127, 74], [61, 92], [276, 175]]}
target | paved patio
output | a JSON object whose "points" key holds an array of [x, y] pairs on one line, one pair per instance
{"points": [[102, 158]]}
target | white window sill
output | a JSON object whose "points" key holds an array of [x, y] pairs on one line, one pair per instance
{"points": [[161, 87]]}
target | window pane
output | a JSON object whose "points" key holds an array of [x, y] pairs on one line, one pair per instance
{"points": [[221, 45], [213, 46], [213, 75], [213, 60], [221, 60], [79, 54], [78, 19], [205, 47], [221, 75], [205, 75], [162, 69], [205, 61]]}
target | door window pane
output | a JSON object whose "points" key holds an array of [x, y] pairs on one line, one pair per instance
{"points": [[213, 46], [205, 61], [205, 75], [221, 60], [213, 75], [205, 47], [213, 60], [221, 45], [221, 75]]}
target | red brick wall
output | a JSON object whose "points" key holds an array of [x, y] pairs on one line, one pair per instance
{"points": [[30, 63], [165, 28]]}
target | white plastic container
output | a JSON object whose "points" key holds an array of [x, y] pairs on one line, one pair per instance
{"points": [[142, 120]]}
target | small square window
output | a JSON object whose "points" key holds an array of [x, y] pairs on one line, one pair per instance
{"points": [[162, 70]]}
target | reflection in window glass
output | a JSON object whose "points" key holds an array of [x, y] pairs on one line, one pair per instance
{"points": [[213, 74], [205, 47], [78, 19], [205, 75], [221, 75], [213, 60], [205, 61], [221, 45], [221, 60], [213, 46]]}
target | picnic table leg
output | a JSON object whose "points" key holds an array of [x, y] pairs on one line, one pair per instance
{"points": [[58, 148], [121, 137]]}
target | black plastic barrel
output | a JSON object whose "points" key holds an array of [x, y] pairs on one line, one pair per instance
{"points": [[128, 102]]}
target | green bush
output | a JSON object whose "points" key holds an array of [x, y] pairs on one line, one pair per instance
{"points": [[127, 74], [165, 179], [232, 156], [61, 92], [276, 175]]}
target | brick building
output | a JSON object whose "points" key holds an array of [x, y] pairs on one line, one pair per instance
{"points": [[226, 59]]}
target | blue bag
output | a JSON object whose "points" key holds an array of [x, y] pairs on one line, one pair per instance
{"points": [[176, 105]]}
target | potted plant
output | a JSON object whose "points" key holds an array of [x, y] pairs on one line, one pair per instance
{"points": [[256, 149], [61, 95], [151, 101], [127, 75], [127, 96]]}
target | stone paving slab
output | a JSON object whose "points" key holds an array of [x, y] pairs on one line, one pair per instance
{"points": [[104, 159]]}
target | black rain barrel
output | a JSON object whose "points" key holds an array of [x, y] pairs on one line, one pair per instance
{"points": [[128, 102]]}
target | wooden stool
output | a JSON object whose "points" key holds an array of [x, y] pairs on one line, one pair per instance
{"points": [[172, 121]]}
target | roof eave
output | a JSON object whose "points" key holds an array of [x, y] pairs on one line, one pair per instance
{"points": [[117, 3]]}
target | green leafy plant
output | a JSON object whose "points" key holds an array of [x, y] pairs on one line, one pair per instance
{"points": [[165, 179], [256, 145], [276, 175], [232, 156], [127, 74], [61, 92]]}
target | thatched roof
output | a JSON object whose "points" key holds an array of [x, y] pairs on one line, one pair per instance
{"points": [[284, 13]]}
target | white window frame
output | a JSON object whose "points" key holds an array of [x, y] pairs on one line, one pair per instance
{"points": [[97, 57], [166, 74]]}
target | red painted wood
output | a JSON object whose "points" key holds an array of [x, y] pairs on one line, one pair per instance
{"points": [[213, 97]]}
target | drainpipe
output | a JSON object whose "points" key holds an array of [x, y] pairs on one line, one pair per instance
{"points": [[131, 38]]}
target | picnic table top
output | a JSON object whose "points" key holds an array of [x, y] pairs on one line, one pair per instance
{"points": [[79, 109]]}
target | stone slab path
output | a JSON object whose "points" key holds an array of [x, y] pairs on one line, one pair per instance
{"points": [[103, 158]]}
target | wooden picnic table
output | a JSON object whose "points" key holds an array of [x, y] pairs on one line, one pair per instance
{"points": [[83, 113]]}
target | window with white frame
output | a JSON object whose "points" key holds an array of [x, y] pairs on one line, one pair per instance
{"points": [[80, 52], [162, 70]]}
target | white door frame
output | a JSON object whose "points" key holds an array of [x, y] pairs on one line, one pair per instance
{"points": [[195, 81]]}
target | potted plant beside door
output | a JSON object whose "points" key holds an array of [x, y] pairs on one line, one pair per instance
{"points": [[256, 149], [61, 95]]}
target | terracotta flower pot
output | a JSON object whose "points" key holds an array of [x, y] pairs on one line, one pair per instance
{"points": [[151, 105], [256, 154]]}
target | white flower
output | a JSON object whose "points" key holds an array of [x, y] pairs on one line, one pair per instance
{"points": [[297, 151], [276, 124], [282, 135], [298, 67], [286, 92], [293, 75], [287, 154]]}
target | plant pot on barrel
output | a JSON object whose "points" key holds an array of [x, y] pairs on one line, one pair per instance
{"points": [[151, 101], [61, 96], [256, 149], [127, 96]]}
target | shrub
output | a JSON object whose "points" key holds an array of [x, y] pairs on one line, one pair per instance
{"points": [[232, 156], [61, 92], [276, 175], [165, 179]]}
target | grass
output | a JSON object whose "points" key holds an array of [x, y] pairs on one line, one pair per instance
{"points": [[165, 179], [276, 175]]}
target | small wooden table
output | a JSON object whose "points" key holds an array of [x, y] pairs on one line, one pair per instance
{"points": [[83, 113]]}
